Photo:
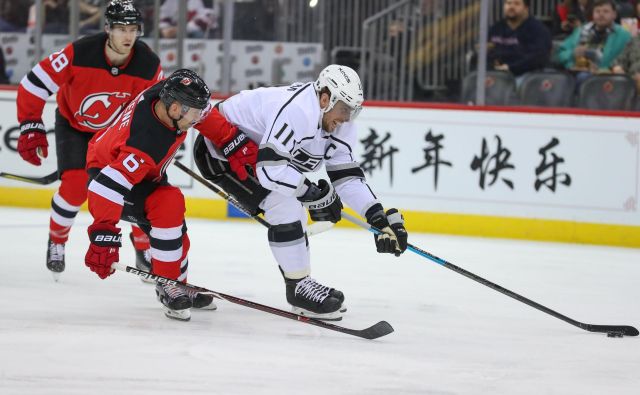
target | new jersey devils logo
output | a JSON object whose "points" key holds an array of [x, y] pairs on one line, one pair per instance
{"points": [[98, 110]]}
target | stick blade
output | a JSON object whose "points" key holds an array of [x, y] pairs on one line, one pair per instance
{"points": [[375, 331], [624, 329]]}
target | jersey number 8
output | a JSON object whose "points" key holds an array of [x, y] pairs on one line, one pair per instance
{"points": [[58, 62]]}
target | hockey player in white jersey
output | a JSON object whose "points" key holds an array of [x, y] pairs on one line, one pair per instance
{"points": [[298, 128]]}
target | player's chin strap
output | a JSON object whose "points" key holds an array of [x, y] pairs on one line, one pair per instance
{"points": [[175, 121]]}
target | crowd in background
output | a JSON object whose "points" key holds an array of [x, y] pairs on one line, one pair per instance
{"points": [[583, 37], [590, 37]]}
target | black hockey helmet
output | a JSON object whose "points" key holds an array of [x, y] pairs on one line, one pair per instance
{"points": [[123, 12], [187, 88]]}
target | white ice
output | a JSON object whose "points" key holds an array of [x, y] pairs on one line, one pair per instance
{"points": [[452, 335]]}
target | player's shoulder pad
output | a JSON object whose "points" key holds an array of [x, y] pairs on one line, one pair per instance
{"points": [[89, 51], [144, 63]]}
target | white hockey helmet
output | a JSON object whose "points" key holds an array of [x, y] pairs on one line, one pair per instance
{"points": [[344, 85]]}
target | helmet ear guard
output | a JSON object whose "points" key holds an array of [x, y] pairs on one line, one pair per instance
{"points": [[343, 84]]}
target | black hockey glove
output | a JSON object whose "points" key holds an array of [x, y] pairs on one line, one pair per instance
{"points": [[393, 239], [322, 201]]}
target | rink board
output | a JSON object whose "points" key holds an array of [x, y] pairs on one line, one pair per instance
{"points": [[522, 173]]}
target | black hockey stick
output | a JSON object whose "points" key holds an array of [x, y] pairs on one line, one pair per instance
{"points": [[614, 329], [375, 331], [313, 229], [46, 180], [220, 192]]}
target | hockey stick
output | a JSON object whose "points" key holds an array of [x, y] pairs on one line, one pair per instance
{"points": [[375, 331], [46, 180], [313, 229], [613, 329]]}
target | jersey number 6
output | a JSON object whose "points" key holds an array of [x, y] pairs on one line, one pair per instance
{"points": [[130, 163]]}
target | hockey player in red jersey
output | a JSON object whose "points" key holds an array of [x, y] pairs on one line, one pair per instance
{"points": [[126, 164], [298, 128], [93, 78]]}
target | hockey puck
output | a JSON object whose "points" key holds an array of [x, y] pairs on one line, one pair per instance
{"points": [[614, 334]]}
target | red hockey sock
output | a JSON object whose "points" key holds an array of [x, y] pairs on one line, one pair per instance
{"points": [[140, 239], [66, 204]]}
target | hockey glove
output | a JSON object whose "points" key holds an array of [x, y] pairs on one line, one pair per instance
{"points": [[322, 201], [32, 141], [241, 151], [393, 239], [104, 249]]}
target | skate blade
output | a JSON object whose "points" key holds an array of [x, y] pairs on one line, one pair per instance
{"points": [[210, 306], [56, 276], [179, 315], [335, 316]]}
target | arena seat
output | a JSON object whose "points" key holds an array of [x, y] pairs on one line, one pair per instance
{"points": [[499, 88], [607, 92], [547, 89]]}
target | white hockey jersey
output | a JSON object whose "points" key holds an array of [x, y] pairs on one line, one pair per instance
{"points": [[286, 123]]}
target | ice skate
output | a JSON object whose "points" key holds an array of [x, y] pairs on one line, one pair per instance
{"points": [[201, 300], [176, 302], [55, 259], [312, 299]]}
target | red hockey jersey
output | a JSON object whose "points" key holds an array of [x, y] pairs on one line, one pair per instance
{"points": [[135, 148], [90, 91]]}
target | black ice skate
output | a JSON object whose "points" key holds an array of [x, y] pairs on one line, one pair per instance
{"points": [[143, 261], [201, 300], [312, 299], [177, 303], [55, 259]]}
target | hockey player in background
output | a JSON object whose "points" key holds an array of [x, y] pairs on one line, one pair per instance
{"points": [[93, 78], [127, 164], [298, 128]]}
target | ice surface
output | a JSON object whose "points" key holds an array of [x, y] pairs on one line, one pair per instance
{"points": [[452, 335]]}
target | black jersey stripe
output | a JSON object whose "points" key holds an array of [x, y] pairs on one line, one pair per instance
{"points": [[284, 184], [35, 80]]}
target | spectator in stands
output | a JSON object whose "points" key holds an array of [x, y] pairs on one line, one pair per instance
{"points": [[199, 19], [569, 15], [3, 71], [629, 61], [56, 17], [594, 46], [518, 43], [13, 15]]}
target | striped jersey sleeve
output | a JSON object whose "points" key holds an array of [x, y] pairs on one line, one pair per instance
{"points": [[345, 172], [44, 80], [108, 189]]}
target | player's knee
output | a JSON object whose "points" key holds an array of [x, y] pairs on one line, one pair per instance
{"points": [[165, 206], [73, 186], [286, 233]]}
